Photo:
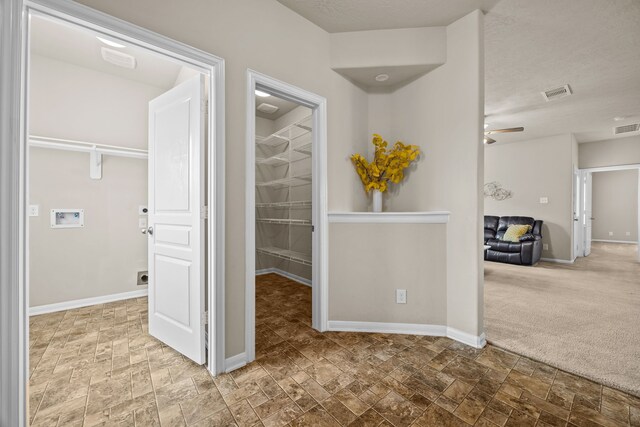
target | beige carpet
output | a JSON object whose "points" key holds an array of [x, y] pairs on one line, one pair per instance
{"points": [[583, 318]]}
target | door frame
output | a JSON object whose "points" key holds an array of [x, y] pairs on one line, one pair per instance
{"points": [[320, 249], [14, 72], [583, 172]]}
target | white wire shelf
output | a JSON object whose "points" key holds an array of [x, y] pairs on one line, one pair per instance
{"points": [[304, 149], [285, 205], [285, 221], [287, 133], [286, 254], [282, 158], [294, 181]]}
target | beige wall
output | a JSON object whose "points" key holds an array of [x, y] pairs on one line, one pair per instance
{"points": [[445, 115], [363, 284], [376, 48], [104, 257], [611, 152], [265, 36], [530, 170], [615, 205]]}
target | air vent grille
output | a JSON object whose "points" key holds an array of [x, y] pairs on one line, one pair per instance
{"points": [[267, 108], [120, 59], [557, 93], [626, 128]]}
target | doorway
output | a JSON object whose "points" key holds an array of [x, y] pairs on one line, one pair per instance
{"points": [[117, 33], [609, 209], [286, 201]]}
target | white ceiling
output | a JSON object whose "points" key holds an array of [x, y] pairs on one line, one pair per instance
{"points": [[337, 16], [532, 46], [78, 46]]}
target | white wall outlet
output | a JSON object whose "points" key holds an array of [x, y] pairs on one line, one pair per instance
{"points": [[143, 210], [628, 233], [544, 200], [611, 233], [142, 222], [401, 296], [545, 246], [34, 210]]}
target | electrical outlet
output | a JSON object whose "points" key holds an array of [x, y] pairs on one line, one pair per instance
{"points": [[611, 233], [401, 296], [34, 210], [544, 200], [545, 246], [628, 233]]}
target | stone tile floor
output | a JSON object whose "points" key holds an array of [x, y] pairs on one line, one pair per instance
{"points": [[98, 366]]}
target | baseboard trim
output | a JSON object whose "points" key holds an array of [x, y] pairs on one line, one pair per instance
{"points": [[286, 274], [85, 302], [409, 329], [626, 242], [557, 260], [476, 341], [235, 362]]}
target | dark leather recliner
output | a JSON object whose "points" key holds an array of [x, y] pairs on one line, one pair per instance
{"points": [[520, 253]]}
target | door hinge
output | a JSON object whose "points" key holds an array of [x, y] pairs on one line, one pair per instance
{"points": [[205, 318], [204, 212], [313, 228]]}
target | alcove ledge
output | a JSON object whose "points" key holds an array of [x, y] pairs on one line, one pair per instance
{"points": [[430, 217]]}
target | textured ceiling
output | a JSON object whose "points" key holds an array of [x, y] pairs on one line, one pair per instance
{"points": [[532, 46], [337, 16], [74, 45]]}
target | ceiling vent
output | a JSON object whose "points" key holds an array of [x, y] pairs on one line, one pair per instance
{"points": [[626, 129], [557, 93], [267, 108], [120, 59]]}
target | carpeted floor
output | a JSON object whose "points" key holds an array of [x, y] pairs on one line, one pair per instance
{"points": [[582, 318]]}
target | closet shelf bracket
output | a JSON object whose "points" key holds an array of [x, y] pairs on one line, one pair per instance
{"points": [[95, 164]]}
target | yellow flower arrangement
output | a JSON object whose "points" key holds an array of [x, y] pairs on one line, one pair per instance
{"points": [[386, 166]]}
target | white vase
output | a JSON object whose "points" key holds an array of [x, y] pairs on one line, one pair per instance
{"points": [[377, 201]]}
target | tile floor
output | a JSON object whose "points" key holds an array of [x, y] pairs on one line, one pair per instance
{"points": [[97, 366]]}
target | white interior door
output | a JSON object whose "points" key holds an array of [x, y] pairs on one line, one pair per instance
{"points": [[176, 238], [577, 227], [588, 212]]}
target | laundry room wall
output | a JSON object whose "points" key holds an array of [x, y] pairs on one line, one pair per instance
{"points": [[103, 257]]}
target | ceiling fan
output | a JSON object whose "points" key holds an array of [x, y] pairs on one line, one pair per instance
{"points": [[489, 140]]}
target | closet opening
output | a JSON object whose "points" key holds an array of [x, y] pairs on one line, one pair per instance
{"points": [[121, 249], [284, 252], [286, 215]]}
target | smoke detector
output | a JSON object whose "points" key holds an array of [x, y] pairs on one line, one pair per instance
{"points": [[267, 108], [557, 93], [119, 59], [635, 127]]}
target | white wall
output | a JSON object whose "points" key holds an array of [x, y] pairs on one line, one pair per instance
{"points": [[615, 205], [104, 257], [532, 169]]}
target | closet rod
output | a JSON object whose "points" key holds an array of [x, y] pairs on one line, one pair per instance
{"points": [[86, 147]]}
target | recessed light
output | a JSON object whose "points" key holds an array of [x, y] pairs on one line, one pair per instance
{"points": [[619, 118], [382, 77], [262, 94], [111, 43]]}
